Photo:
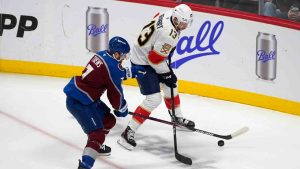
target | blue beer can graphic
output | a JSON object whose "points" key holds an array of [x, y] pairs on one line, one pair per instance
{"points": [[266, 56], [97, 29]]}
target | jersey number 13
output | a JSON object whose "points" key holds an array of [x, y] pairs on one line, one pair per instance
{"points": [[146, 33]]}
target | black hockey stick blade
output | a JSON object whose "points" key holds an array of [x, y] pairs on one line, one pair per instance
{"points": [[178, 156], [183, 159]]}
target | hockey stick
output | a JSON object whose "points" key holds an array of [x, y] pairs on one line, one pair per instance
{"points": [[226, 137], [178, 156]]}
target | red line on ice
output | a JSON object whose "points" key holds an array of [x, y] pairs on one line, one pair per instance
{"points": [[54, 137]]}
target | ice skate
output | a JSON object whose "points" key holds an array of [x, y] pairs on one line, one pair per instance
{"points": [[83, 166], [183, 121], [127, 139], [104, 150]]}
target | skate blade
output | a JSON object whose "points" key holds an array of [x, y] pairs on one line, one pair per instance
{"points": [[103, 154], [122, 142]]}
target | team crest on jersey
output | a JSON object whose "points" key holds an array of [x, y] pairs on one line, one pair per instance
{"points": [[120, 66], [165, 48]]}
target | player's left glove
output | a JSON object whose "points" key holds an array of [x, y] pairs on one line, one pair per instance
{"points": [[135, 72], [123, 112], [169, 79]]}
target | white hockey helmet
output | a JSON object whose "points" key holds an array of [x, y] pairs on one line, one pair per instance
{"points": [[183, 13]]}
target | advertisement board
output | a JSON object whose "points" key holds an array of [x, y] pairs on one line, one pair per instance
{"points": [[218, 51]]}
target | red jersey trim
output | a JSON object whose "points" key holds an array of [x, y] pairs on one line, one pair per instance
{"points": [[156, 15], [155, 58]]}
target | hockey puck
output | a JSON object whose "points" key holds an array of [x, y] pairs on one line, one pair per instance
{"points": [[221, 143]]}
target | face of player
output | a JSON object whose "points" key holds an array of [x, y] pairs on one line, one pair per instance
{"points": [[180, 25], [123, 56], [120, 57]]}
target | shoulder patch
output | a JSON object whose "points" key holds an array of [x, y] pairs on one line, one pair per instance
{"points": [[165, 48], [120, 66]]}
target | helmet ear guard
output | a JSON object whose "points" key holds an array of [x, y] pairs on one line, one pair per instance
{"points": [[184, 14]]}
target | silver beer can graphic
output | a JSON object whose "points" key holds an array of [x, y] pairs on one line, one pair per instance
{"points": [[266, 56], [97, 29]]}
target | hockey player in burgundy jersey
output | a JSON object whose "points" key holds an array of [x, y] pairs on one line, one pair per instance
{"points": [[102, 73], [150, 51]]}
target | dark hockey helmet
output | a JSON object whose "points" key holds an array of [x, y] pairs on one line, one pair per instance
{"points": [[118, 44]]}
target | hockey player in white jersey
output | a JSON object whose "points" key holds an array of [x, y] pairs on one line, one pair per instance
{"points": [[149, 56]]}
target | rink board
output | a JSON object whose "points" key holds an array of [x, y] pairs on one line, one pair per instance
{"points": [[216, 56], [184, 86]]}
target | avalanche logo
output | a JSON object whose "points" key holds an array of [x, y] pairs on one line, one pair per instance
{"points": [[94, 31], [121, 67], [199, 47], [264, 56]]}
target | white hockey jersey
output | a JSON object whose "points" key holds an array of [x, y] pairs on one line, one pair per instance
{"points": [[155, 43]]}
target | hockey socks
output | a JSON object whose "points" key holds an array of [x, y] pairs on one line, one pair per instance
{"points": [[87, 162]]}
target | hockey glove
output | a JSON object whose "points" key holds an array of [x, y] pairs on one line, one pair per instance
{"points": [[169, 79], [135, 71], [123, 111]]}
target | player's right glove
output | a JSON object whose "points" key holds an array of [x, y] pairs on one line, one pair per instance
{"points": [[169, 79], [123, 111]]}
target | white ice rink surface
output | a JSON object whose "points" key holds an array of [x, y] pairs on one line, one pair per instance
{"points": [[37, 132]]}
